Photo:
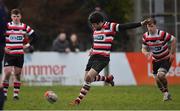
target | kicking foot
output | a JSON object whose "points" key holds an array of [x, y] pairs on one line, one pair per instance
{"points": [[110, 79], [75, 102], [167, 97], [15, 98]]}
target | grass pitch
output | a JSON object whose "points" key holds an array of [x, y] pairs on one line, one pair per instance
{"points": [[99, 98]]}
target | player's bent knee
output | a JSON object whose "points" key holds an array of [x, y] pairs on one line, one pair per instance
{"points": [[161, 73]]}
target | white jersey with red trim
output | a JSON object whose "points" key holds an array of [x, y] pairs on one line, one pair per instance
{"points": [[158, 44], [15, 34], [102, 39]]}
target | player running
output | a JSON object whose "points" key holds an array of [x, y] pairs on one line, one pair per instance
{"points": [[14, 54], [162, 46], [103, 35]]}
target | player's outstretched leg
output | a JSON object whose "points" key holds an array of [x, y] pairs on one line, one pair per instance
{"points": [[108, 79]]}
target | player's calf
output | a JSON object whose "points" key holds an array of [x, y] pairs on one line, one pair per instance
{"points": [[17, 85], [84, 90], [108, 79], [5, 87]]}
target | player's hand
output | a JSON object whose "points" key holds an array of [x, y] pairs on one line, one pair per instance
{"points": [[31, 49], [7, 50], [149, 55], [146, 21], [26, 46]]}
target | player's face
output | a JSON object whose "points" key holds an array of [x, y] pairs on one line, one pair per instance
{"points": [[97, 26], [16, 18], [151, 28]]}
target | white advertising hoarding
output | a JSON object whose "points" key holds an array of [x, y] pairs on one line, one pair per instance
{"points": [[48, 68]]}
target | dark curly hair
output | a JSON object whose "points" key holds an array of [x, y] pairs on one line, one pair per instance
{"points": [[96, 17]]}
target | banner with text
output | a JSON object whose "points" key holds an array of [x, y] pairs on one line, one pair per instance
{"points": [[48, 68]]}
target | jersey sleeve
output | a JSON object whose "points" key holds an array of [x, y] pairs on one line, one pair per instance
{"points": [[114, 27], [169, 38], [32, 36], [128, 26], [29, 30]]}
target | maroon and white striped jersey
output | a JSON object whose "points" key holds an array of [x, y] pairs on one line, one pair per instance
{"points": [[158, 44], [15, 35], [102, 39]]}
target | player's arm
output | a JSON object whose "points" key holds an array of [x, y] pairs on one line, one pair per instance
{"points": [[128, 26], [146, 52], [171, 40], [33, 38], [132, 25], [145, 49], [31, 35], [173, 45]]}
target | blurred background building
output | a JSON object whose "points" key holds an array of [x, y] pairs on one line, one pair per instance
{"points": [[166, 12], [49, 17]]}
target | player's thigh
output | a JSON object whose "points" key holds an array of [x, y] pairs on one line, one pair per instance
{"points": [[164, 68], [19, 61], [8, 69], [9, 60], [165, 64], [88, 66], [99, 65], [17, 70]]}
